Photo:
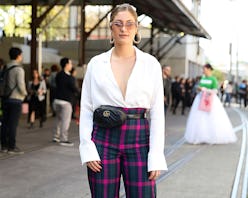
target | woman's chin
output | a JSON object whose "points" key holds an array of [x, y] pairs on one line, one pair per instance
{"points": [[124, 42]]}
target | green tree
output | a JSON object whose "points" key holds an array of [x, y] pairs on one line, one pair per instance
{"points": [[219, 75], [58, 28], [15, 20]]}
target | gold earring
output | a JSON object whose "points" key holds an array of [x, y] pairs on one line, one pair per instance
{"points": [[111, 40], [138, 36]]}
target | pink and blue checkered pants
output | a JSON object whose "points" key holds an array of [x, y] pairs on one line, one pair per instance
{"points": [[123, 151]]}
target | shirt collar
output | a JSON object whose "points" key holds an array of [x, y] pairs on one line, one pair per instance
{"points": [[68, 73], [13, 62]]}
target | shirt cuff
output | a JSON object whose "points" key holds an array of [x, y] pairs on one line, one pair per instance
{"points": [[156, 162], [88, 152]]}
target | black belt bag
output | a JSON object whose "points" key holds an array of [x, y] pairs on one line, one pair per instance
{"points": [[107, 116]]}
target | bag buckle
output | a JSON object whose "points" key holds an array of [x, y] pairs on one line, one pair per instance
{"points": [[106, 114]]}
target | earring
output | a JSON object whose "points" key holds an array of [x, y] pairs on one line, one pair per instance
{"points": [[111, 40], [138, 36]]}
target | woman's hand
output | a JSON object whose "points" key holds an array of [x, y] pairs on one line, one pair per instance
{"points": [[154, 175], [95, 166], [203, 88], [40, 92]]}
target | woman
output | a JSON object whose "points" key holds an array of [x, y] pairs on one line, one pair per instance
{"points": [[211, 126], [36, 99], [131, 80]]}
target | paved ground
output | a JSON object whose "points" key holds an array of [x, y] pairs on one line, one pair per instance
{"points": [[48, 170]]}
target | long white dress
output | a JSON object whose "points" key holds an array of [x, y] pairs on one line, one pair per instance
{"points": [[212, 127]]}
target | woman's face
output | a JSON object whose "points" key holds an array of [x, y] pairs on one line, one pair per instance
{"points": [[35, 74], [123, 28], [206, 71]]}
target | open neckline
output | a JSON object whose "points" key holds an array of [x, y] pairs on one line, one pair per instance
{"points": [[123, 96]]}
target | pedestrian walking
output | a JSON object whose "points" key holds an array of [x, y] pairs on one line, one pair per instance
{"points": [[65, 90], [15, 92], [208, 121], [127, 82]]}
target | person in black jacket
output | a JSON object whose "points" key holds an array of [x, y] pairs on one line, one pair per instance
{"points": [[176, 90], [65, 91]]}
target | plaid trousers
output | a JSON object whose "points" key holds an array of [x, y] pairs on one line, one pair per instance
{"points": [[123, 151]]}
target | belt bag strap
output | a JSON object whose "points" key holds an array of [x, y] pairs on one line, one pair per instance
{"points": [[136, 116]]}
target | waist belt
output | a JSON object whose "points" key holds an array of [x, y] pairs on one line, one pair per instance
{"points": [[137, 116]]}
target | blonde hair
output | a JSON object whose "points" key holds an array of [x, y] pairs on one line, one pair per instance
{"points": [[124, 7]]}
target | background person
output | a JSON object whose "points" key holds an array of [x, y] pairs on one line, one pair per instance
{"points": [[36, 99], [243, 90], [75, 100], [211, 127], [179, 95], [2, 65], [12, 105], [167, 86], [175, 92], [129, 79], [52, 86], [66, 88], [228, 93]]}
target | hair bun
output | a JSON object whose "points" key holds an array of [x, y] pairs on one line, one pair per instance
{"points": [[208, 66]]}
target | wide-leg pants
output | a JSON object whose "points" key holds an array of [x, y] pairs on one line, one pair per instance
{"points": [[123, 151]]}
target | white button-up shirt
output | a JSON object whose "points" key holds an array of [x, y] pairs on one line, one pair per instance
{"points": [[144, 90]]}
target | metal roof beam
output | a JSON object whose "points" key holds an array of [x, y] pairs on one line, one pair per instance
{"points": [[170, 48], [98, 23], [170, 14]]}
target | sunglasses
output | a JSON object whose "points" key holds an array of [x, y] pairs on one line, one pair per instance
{"points": [[128, 25]]}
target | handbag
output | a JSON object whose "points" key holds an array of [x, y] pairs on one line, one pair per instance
{"points": [[107, 116], [206, 101]]}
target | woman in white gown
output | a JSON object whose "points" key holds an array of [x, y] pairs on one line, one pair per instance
{"points": [[211, 126]]}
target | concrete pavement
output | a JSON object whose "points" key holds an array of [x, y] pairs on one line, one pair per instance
{"points": [[52, 171]]}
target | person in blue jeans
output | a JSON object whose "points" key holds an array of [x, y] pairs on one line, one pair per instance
{"points": [[12, 105]]}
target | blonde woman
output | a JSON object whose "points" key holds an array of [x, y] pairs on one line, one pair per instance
{"points": [[128, 80]]}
